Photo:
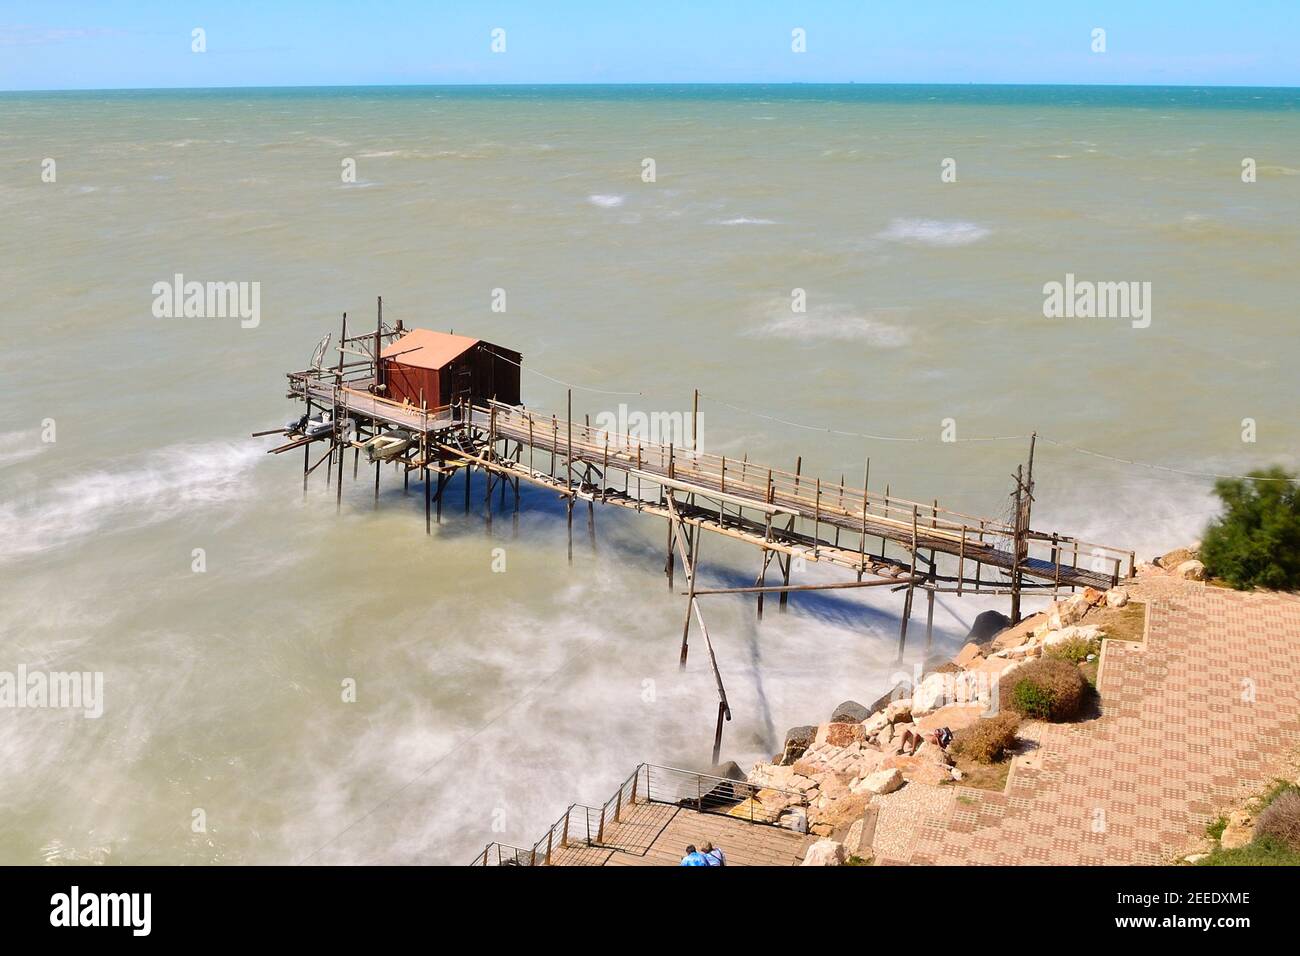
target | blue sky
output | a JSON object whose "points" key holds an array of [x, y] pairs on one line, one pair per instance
{"points": [[110, 44]]}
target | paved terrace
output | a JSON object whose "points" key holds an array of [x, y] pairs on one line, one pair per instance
{"points": [[1193, 720]]}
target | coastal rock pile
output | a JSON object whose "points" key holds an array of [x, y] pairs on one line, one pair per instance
{"points": [[1182, 563], [827, 775]]}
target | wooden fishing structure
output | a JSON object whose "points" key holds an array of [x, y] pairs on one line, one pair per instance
{"points": [[883, 539]]}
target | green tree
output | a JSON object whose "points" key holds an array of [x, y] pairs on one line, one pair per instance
{"points": [[1256, 542]]}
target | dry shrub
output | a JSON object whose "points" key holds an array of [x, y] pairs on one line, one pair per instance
{"points": [[1281, 819], [986, 740], [1046, 689]]}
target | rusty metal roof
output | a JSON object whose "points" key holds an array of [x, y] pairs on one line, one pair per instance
{"points": [[422, 348]]}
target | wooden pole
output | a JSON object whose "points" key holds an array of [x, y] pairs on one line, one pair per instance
{"points": [[1015, 560], [379, 327], [789, 560], [695, 423], [911, 587], [692, 570], [568, 471], [424, 458]]}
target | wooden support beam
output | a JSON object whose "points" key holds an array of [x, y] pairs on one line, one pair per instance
{"points": [[832, 586]]}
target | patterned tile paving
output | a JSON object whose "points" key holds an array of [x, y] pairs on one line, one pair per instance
{"points": [[1192, 721]]}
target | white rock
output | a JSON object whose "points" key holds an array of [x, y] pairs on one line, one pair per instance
{"points": [[1083, 632], [796, 819], [824, 853], [1116, 597], [930, 695], [882, 781], [1191, 571]]}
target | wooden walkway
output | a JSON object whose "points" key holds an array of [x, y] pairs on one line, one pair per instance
{"points": [[788, 512]]}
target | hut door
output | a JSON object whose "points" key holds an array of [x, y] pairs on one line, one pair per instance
{"points": [[461, 382]]}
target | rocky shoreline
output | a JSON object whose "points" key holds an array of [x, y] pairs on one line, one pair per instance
{"points": [[829, 776]]}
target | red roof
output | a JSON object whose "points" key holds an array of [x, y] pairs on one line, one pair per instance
{"points": [[423, 348]]}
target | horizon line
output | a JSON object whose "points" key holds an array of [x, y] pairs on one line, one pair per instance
{"points": [[649, 83]]}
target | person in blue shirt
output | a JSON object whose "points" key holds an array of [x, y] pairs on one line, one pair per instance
{"points": [[713, 855], [693, 857]]}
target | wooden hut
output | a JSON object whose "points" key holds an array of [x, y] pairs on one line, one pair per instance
{"points": [[441, 368]]}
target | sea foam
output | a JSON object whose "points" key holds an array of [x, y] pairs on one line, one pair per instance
{"points": [[145, 490], [933, 232]]}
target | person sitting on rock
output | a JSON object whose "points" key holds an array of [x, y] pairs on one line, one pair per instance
{"points": [[693, 857], [941, 737], [714, 855]]}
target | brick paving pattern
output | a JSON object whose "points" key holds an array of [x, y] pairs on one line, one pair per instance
{"points": [[1192, 721]]}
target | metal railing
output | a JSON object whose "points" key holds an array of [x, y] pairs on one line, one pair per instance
{"points": [[585, 826]]}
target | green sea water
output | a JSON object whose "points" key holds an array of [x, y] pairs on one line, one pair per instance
{"points": [[487, 702]]}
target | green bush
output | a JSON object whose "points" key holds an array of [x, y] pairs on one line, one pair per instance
{"points": [[1256, 542], [986, 740], [1032, 700], [1045, 689], [1075, 650]]}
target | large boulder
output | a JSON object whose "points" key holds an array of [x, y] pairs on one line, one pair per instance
{"points": [[987, 625], [967, 655], [899, 710], [850, 712], [899, 691], [797, 740], [879, 782], [1116, 597], [930, 694], [1190, 570], [1171, 559], [841, 734], [824, 853]]}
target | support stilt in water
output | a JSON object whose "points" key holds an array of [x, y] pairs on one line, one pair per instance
{"points": [[338, 485], [691, 563], [376, 484], [761, 580], [929, 617], [306, 457], [902, 630], [569, 509], [724, 713]]}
